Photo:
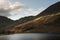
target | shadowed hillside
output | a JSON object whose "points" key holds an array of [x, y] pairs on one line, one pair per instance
{"points": [[4, 23], [24, 19], [47, 21], [53, 9]]}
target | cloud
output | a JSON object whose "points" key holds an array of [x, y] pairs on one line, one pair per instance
{"points": [[33, 12], [16, 5], [2, 1], [6, 8], [26, 12], [9, 9]]}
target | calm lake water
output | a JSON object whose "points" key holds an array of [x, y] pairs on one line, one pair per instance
{"points": [[30, 36]]}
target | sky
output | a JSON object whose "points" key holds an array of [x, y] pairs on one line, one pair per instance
{"points": [[16, 9]]}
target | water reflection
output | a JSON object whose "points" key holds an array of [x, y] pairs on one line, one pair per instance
{"points": [[30, 37]]}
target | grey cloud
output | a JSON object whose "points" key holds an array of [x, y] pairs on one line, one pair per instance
{"points": [[5, 11]]}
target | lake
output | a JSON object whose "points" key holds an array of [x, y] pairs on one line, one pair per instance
{"points": [[30, 36]]}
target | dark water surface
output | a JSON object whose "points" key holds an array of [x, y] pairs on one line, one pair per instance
{"points": [[30, 36]]}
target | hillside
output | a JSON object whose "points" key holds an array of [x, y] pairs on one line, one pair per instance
{"points": [[4, 23], [53, 9], [42, 24], [24, 19]]}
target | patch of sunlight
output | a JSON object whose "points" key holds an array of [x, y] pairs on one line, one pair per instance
{"points": [[37, 19], [58, 14], [46, 16]]}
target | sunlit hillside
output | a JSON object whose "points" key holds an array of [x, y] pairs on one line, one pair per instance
{"points": [[43, 24]]}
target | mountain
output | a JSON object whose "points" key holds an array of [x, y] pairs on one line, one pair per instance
{"points": [[4, 22], [43, 24], [47, 21], [7, 23], [25, 19], [53, 9]]}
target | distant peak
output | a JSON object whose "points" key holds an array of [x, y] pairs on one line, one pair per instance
{"points": [[4, 18], [53, 9]]}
